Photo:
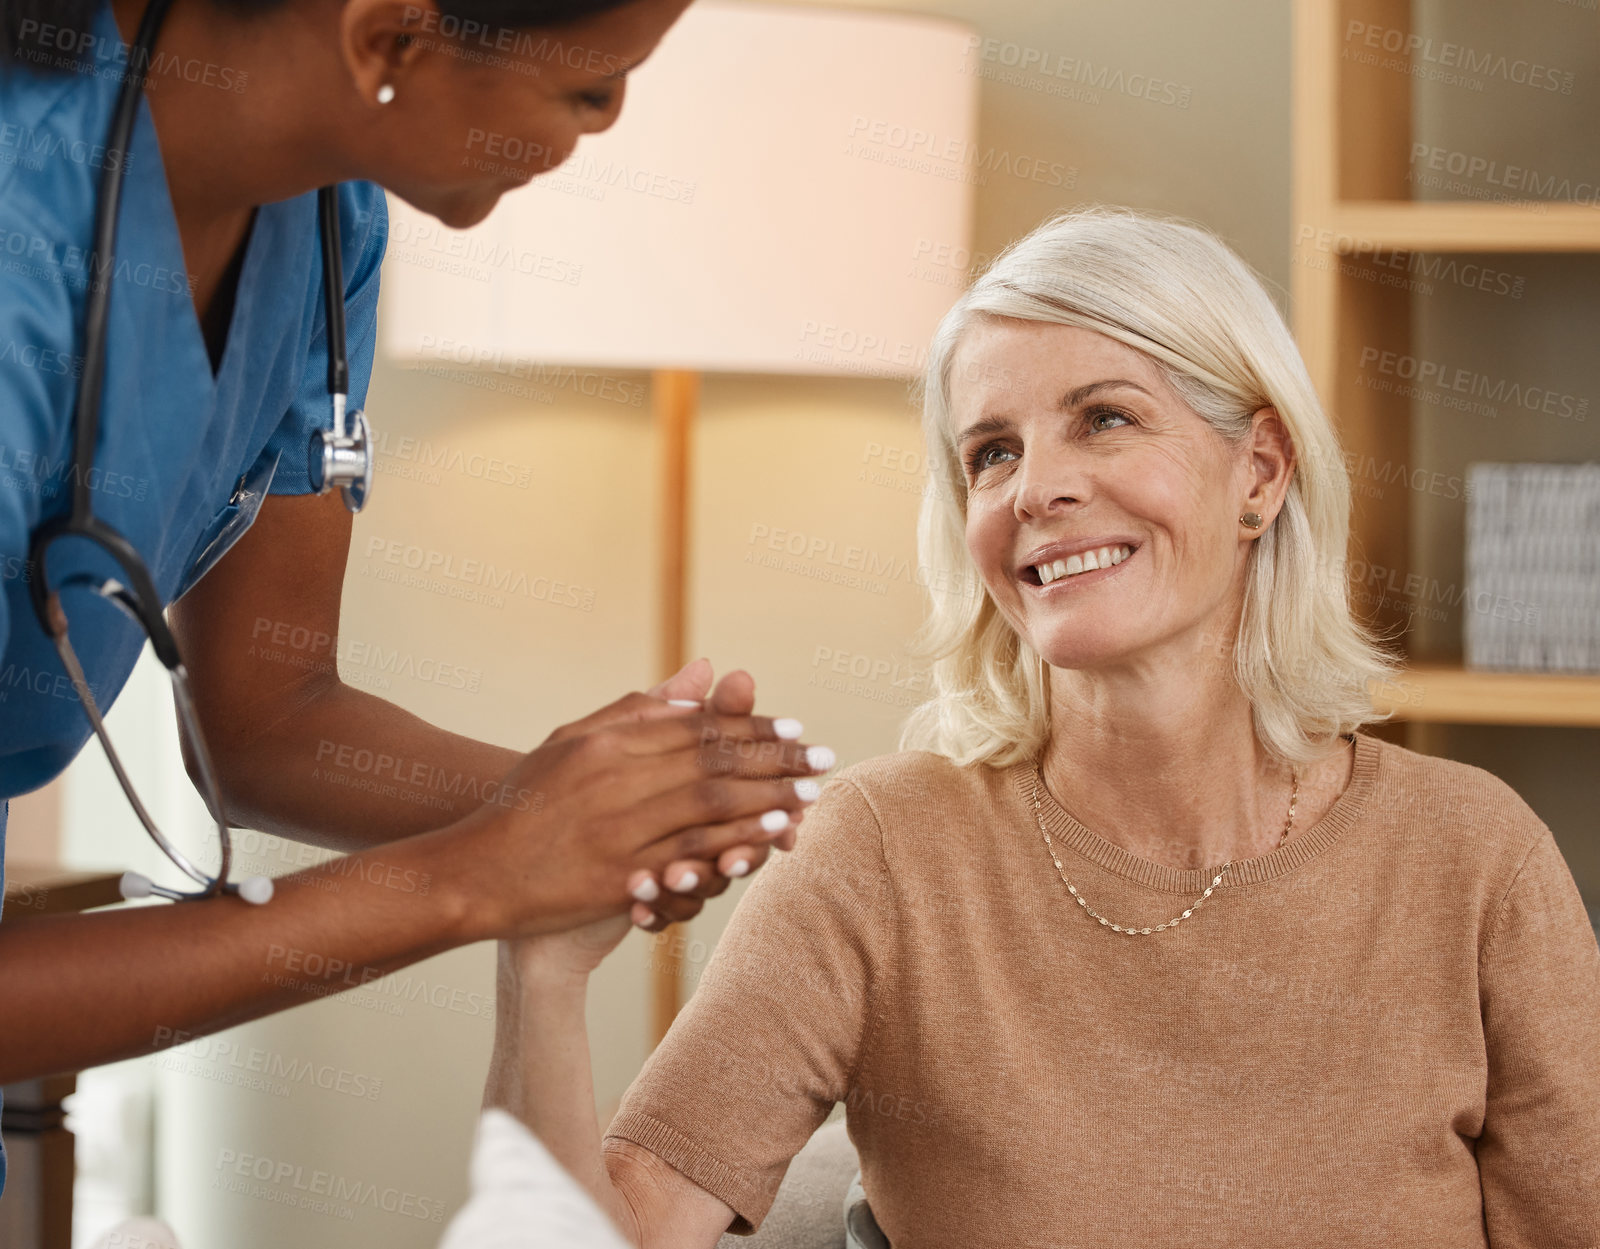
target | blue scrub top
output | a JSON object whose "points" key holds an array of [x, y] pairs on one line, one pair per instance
{"points": [[183, 456]]}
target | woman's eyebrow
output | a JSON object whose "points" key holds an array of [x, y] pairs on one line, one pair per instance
{"points": [[987, 425], [1074, 397], [994, 424]]}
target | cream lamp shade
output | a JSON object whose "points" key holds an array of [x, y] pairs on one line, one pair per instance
{"points": [[788, 190], [781, 194]]}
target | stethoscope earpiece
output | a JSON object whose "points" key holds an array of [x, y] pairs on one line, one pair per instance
{"points": [[136, 885], [254, 889]]}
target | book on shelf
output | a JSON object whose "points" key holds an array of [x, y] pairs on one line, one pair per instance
{"points": [[1532, 568]]}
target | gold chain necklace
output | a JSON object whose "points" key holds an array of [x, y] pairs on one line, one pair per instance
{"points": [[1038, 777]]}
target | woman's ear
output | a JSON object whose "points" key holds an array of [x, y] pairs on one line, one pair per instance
{"points": [[1272, 461], [381, 40]]}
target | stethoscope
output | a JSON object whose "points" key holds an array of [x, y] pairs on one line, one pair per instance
{"points": [[340, 456]]}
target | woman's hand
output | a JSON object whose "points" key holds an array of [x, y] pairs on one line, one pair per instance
{"points": [[562, 956], [695, 881], [619, 796], [575, 953]]}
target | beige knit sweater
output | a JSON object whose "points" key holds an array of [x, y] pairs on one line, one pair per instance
{"points": [[1384, 1033]]}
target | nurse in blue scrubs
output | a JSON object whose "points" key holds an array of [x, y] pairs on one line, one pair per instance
{"points": [[216, 377]]}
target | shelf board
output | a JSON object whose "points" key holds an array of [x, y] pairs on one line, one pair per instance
{"points": [[1465, 226], [1444, 694], [33, 889]]}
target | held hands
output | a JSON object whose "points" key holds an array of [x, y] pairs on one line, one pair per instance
{"points": [[642, 794], [690, 881]]}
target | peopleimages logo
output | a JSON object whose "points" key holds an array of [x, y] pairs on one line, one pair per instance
{"points": [[293, 1184], [69, 48], [1439, 376], [33, 147], [510, 41], [1525, 183], [227, 1062], [314, 650], [1024, 65], [1425, 53], [430, 245], [585, 382], [319, 974], [491, 149], [476, 574], [916, 142], [33, 255], [422, 774]]}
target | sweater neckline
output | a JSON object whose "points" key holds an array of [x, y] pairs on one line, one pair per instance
{"points": [[1345, 810]]}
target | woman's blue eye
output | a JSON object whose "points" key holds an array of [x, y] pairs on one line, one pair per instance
{"points": [[1094, 412], [975, 462], [975, 459]]}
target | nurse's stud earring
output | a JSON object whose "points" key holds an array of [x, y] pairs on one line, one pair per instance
{"points": [[385, 93]]}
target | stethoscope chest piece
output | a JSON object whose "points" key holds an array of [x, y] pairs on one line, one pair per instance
{"points": [[341, 457]]}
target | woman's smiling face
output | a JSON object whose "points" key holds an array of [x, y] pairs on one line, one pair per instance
{"points": [[1080, 443]]}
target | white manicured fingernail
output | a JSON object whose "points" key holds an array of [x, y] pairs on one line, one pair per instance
{"points": [[788, 728], [808, 790], [683, 702], [775, 821], [646, 890], [738, 868], [820, 758], [687, 882]]}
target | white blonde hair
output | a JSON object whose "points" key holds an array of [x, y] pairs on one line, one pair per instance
{"points": [[1172, 290]]}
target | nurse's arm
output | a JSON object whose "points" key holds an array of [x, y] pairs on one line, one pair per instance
{"points": [[299, 752], [81, 990]]}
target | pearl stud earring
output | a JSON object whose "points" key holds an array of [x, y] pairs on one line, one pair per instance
{"points": [[385, 93]]}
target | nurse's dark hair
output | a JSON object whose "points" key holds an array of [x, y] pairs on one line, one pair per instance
{"points": [[53, 34]]}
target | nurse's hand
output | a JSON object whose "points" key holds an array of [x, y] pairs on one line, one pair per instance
{"points": [[638, 787], [689, 882]]}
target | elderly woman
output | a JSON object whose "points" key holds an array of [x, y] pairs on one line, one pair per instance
{"points": [[1141, 940]]}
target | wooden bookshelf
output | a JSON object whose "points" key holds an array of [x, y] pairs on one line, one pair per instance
{"points": [[1351, 209], [1469, 227], [1442, 694]]}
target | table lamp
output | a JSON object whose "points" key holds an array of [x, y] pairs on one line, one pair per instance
{"points": [[770, 201]]}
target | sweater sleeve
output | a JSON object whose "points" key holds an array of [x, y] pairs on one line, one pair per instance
{"points": [[1539, 978], [774, 1031]]}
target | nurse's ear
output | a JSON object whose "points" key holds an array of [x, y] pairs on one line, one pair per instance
{"points": [[380, 41]]}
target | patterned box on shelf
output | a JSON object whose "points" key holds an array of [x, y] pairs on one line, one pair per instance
{"points": [[1533, 567]]}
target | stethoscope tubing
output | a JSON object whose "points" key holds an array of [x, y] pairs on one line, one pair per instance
{"points": [[139, 597], [91, 382]]}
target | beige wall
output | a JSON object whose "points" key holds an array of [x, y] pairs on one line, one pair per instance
{"points": [[832, 460]]}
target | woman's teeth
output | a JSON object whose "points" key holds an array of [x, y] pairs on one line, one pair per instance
{"points": [[1087, 561]]}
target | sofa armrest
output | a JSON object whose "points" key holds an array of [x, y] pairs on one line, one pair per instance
{"points": [[808, 1212]]}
